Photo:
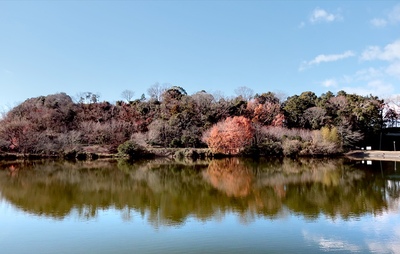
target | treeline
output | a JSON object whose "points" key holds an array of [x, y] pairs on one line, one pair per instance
{"points": [[262, 124]]}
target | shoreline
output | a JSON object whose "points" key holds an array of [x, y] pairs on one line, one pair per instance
{"points": [[188, 153], [95, 155]]}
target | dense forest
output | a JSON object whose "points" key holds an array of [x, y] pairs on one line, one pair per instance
{"points": [[260, 124]]}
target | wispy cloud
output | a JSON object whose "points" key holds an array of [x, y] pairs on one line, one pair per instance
{"points": [[330, 83], [364, 75], [378, 22], [321, 15], [331, 58], [393, 17], [363, 82], [326, 58], [302, 24], [390, 52], [387, 222], [375, 87], [365, 86], [379, 79], [331, 244], [394, 69]]}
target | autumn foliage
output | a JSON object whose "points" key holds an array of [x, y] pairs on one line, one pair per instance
{"points": [[259, 125], [230, 136]]}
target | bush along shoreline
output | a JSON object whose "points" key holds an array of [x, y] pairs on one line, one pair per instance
{"points": [[171, 123]]}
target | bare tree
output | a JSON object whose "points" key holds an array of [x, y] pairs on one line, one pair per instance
{"points": [[127, 95], [3, 114], [281, 95], [203, 101], [155, 91], [394, 100], [244, 91], [87, 97], [218, 95]]}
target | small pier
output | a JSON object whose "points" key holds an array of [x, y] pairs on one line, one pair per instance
{"points": [[374, 155]]}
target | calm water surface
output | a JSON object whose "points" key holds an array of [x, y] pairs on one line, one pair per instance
{"points": [[219, 206]]}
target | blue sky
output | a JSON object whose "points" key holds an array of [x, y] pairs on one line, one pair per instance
{"points": [[289, 47]]}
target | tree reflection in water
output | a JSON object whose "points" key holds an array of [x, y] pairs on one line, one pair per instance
{"points": [[167, 193], [230, 176]]}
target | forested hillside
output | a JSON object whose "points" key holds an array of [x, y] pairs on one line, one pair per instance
{"points": [[262, 124]]}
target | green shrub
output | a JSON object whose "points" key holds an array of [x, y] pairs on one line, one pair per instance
{"points": [[175, 143], [179, 154], [186, 153], [271, 148], [131, 149]]}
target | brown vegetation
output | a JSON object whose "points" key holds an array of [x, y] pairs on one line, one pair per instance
{"points": [[304, 124]]}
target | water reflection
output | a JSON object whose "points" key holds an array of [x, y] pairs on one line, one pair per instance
{"points": [[230, 176], [167, 193]]}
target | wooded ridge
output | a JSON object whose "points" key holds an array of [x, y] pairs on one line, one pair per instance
{"points": [[260, 124]]}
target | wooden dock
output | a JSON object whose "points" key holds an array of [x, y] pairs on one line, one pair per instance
{"points": [[374, 155]]}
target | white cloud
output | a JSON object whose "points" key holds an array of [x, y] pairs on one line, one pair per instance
{"points": [[378, 79], [378, 22], [326, 58], [387, 224], [368, 74], [364, 75], [329, 83], [394, 15], [331, 244], [381, 247], [390, 52], [394, 69], [321, 15], [375, 87], [371, 53], [331, 58]]}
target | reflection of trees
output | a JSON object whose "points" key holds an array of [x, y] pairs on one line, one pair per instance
{"points": [[325, 186], [168, 193], [230, 176], [236, 179]]}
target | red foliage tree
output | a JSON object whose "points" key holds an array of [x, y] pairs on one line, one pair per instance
{"points": [[230, 136], [263, 112], [278, 120]]}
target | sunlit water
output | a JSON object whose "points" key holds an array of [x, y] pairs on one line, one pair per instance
{"points": [[220, 206]]}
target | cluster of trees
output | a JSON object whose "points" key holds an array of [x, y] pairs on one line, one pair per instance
{"points": [[246, 123]]}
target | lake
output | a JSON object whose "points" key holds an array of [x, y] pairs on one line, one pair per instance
{"points": [[218, 206]]}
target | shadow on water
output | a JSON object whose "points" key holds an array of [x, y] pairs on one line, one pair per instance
{"points": [[168, 193]]}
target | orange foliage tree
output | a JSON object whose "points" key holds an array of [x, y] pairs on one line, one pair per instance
{"points": [[265, 110], [229, 136]]}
